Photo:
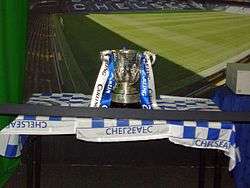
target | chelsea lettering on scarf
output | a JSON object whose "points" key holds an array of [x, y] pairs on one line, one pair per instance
{"points": [[129, 130], [212, 143], [27, 124]]}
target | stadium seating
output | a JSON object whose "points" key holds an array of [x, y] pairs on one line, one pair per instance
{"points": [[122, 5], [41, 56], [52, 6]]}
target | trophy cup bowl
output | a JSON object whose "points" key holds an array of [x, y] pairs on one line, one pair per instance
{"points": [[127, 74]]}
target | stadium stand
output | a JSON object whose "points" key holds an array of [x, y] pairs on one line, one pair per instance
{"points": [[122, 5], [54, 6], [236, 9], [50, 6], [41, 66]]}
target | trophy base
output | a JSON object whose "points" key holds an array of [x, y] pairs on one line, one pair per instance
{"points": [[125, 105]]}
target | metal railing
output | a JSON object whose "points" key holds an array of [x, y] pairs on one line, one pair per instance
{"points": [[122, 113]]}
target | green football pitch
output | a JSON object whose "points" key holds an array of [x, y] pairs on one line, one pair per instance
{"points": [[186, 43]]}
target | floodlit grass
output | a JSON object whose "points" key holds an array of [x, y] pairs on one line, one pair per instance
{"points": [[186, 42]]}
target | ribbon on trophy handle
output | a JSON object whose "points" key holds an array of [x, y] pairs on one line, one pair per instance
{"points": [[150, 60], [144, 89], [110, 83], [101, 79]]}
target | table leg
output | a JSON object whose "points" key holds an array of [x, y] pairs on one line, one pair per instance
{"points": [[38, 148], [217, 170], [202, 169], [29, 163]]}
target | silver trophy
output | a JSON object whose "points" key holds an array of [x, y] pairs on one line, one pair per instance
{"points": [[126, 91], [127, 74]]}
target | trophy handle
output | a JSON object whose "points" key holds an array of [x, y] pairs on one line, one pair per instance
{"points": [[151, 56], [104, 55]]}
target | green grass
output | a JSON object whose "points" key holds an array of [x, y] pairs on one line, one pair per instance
{"points": [[186, 43]]}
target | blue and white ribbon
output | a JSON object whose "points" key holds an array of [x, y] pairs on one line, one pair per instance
{"points": [[107, 93], [101, 79], [144, 90], [150, 60]]}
